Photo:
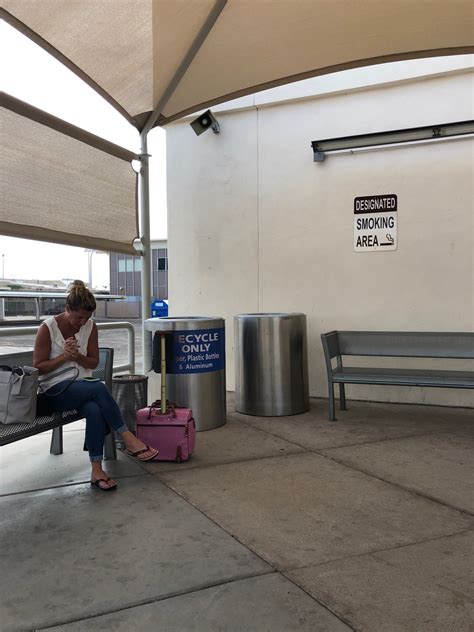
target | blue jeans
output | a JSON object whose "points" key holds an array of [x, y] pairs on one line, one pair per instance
{"points": [[96, 404]]}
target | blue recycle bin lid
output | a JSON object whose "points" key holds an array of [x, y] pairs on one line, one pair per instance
{"points": [[159, 308]]}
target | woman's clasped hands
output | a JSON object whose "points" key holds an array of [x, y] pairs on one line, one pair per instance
{"points": [[71, 349]]}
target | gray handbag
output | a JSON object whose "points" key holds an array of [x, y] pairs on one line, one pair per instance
{"points": [[18, 388]]}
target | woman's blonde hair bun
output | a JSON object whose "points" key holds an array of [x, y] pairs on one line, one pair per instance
{"points": [[80, 297]]}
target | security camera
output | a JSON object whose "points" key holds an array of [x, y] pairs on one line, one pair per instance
{"points": [[204, 122]]}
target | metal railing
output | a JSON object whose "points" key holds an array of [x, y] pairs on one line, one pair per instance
{"points": [[120, 368], [37, 297]]}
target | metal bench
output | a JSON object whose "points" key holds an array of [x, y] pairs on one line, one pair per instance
{"points": [[14, 432], [410, 344]]}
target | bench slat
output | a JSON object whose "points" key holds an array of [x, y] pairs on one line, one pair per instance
{"points": [[404, 377], [409, 344], [400, 344], [9, 433]]}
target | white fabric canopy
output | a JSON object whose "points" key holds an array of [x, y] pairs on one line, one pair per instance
{"points": [[182, 55], [158, 60]]}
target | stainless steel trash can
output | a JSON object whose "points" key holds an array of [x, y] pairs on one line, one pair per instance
{"points": [[195, 366], [131, 393], [271, 364]]}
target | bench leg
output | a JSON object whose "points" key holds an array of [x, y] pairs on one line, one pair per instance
{"points": [[57, 441], [332, 414], [342, 397], [110, 452]]}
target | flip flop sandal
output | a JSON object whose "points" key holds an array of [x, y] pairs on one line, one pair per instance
{"points": [[97, 482], [142, 451]]}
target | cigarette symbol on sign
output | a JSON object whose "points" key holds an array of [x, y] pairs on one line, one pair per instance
{"points": [[390, 240]]}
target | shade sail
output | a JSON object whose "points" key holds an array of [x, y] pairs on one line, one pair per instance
{"points": [[58, 189], [108, 43], [181, 55], [158, 60], [257, 44]]}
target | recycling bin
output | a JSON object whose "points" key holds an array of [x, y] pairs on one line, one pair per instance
{"points": [[195, 365], [159, 307], [271, 364]]}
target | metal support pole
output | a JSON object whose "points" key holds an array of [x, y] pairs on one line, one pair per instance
{"points": [[89, 254], [144, 208]]}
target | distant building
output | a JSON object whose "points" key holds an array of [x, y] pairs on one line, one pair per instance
{"points": [[125, 279], [125, 272]]}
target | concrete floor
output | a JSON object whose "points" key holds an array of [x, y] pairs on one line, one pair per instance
{"points": [[275, 524]]}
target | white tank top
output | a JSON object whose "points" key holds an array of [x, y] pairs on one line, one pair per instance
{"points": [[57, 349]]}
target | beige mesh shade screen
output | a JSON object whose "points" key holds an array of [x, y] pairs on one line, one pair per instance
{"points": [[263, 43], [175, 57], [110, 41], [55, 188], [136, 49]]}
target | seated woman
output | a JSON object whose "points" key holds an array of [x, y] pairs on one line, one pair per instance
{"points": [[64, 345]]}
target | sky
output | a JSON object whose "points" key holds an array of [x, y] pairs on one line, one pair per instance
{"points": [[34, 76]]}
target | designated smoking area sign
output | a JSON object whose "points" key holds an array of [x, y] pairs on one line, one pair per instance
{"points": [[375, 222]]}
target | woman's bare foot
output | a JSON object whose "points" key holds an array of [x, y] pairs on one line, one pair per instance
{"points": [[100, 479], [134, 445]]}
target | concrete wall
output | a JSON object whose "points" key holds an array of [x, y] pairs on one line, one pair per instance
{"points": [[255, 225]]}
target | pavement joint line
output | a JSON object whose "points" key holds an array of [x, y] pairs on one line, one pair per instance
{"points": [[186, 499], [321, 398], [348, 445], [46, 489], [336, 614], [345, 445], [409, 490], [272, 434], [377, 551], [381, 401], [158, 598], [412, 491], [250, 425], [322, 452], [219, 526], [286, 570], [242, 460], [386, 439]]}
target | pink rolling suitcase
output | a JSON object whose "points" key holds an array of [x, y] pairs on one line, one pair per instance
{"points": [[167, 428], [172, 433]]}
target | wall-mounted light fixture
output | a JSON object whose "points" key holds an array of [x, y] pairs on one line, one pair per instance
{"points": [[391, 137], [204, 122]]}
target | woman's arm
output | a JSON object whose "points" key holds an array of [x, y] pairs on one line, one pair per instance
{"points": [[42, 350], [91, 360]]}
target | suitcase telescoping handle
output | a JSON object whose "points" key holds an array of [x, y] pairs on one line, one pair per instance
{"points": [[163, 376]]}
